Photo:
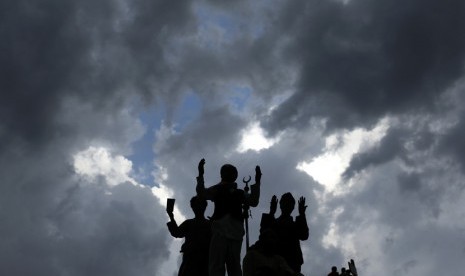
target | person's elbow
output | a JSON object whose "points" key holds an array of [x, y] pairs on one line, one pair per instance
{"points": [[304, 235]]}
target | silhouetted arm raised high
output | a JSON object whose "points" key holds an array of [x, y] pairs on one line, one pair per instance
{"points": [[301, 221], [175, 230], [254, 197], [206, 193]]}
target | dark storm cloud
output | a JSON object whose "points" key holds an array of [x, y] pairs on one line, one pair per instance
{"points": [[452, 143], [216, 126], [422, 169], [391, 146], [366, 59], [57, 226], [52, 50], [72, 73], [354, 64], [411, 213], [76, 74]]}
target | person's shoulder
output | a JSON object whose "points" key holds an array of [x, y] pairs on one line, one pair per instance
{"points": [[203, 221], [188, 221]]}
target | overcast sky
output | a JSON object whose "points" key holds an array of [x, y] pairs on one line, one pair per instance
{"points": [[107, 106]]}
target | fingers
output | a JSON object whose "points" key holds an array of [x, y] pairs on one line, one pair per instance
{"points": [[201, 165], [273, 205], [274, 199], [302, 206]]}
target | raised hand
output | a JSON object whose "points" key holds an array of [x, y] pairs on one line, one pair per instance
{"points": [[352, 267], [302, 206], [201, 167], [258, 174], [273, 205]]}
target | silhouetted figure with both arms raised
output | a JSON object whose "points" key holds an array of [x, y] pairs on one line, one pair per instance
{"points": [[228, 218], [289, 232], [197, 234]]}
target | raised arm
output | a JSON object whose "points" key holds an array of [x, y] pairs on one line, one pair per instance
{"points": [[255, 188], [352, 267], [301, 220], [268, 220], [173, 227], [206, 193], [200, 188]]}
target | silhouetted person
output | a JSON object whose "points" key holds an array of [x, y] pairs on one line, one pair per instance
{"points": [[227, 219], [262, 258], [290, 232], [333, 271], [197, 234], [344, 272]]}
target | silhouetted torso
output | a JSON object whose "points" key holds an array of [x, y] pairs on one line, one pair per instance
{"points": [[197, 234], [228, 200], [261, 259], [289, 233]]}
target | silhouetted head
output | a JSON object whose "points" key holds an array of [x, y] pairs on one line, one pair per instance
{"points": [[198, 205], [343, 270], [333, 269], [228, 173], [287, 204]]}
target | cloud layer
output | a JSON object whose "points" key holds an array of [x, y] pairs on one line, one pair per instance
{"points": [[76, 79]]}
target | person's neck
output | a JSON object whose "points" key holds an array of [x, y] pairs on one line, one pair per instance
{"points": [[285, 215], [228, 183], [199, 216]]}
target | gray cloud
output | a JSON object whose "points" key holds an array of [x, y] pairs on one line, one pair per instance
{"points": [[72, 75], [78, 74], [364, 60], [391, 146]]}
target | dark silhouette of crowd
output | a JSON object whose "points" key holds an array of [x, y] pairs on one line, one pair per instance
{"points": [[212, 246], [351, 271]]}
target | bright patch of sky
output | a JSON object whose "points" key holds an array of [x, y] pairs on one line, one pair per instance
{"points": [[190, 107], [279, 99], [332, 238], [253, 138], [142, 154], [142, 150], [97, 162], [327, 168], [162, 192]]}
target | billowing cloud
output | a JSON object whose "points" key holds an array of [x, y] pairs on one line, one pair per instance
{"points": [[356, 105], [363, 60]]}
